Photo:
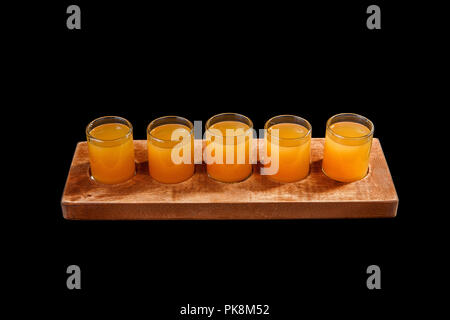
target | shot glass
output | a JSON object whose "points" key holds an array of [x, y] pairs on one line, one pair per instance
{"points": [[170, 145], [348, 141], [227, 153], [288, 148], [111, 149]]}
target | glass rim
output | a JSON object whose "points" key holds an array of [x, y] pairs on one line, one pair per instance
{"points": [[372, 129], [266, 126], [89, 128], [167, 117], [208, 125]]}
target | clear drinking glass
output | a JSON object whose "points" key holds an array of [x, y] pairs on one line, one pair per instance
{"points": [[348, 141], [229, 139], [170, 142], [288, 147], [111, 149]]}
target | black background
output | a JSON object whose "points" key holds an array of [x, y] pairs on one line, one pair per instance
{"points": [[261, 59]]}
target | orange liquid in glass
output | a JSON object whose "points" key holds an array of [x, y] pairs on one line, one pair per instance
{"points": [[162, 166], [230, 171], [112, 158], [294, 151], [346, 159]]}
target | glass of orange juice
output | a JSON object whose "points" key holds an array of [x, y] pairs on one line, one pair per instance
{"points": [[170, 145], [227, 153], [288, 148], [111, 150], [348, 141]]}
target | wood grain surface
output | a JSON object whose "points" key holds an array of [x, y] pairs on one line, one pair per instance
{"points": [[142, 198]]}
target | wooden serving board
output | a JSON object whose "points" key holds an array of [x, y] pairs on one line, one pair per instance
{"points": [[142, 198]]}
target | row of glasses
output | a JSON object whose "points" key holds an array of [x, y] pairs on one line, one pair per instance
{"points": [[228, 150]]}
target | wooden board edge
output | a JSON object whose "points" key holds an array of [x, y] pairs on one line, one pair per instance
{"points": [[232, 211], [69, 172], [391, 180]]}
